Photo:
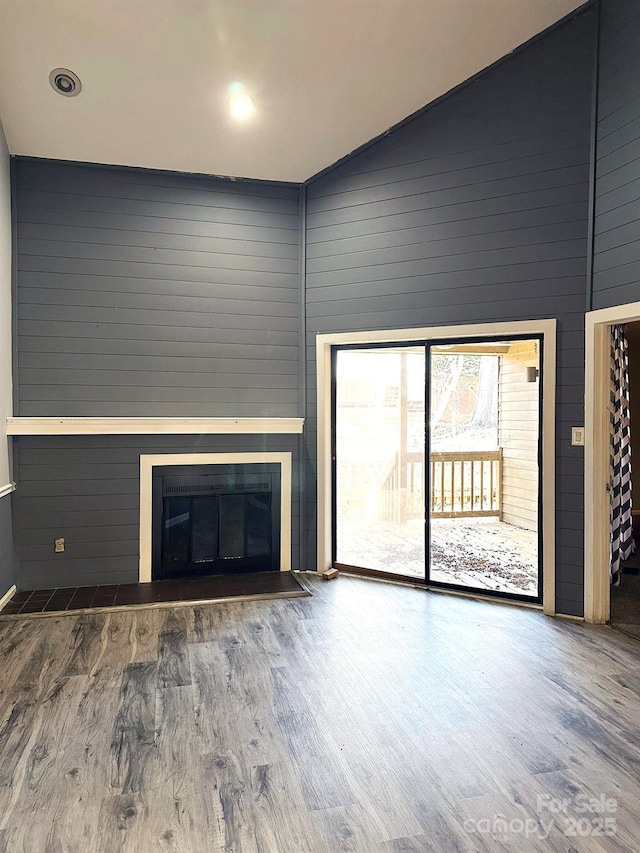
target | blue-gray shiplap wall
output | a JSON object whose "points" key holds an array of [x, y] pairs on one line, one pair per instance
{"points": [[616, 263], [142, 294], [87, 490], [153, 294], [7, 563], [475, 211]]}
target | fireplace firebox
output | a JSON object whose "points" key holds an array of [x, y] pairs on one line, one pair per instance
{"points": [[215, 519]]}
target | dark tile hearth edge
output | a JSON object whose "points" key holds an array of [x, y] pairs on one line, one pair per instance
{"points": [[173, 593]]}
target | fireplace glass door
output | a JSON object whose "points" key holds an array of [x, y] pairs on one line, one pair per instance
{"points": [[222, 523], [207, 531]]}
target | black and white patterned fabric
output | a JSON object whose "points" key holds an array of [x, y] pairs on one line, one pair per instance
{"points": [[622, 544]]}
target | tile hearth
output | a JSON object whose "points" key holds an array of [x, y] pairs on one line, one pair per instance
{"points": [[157, 592]]}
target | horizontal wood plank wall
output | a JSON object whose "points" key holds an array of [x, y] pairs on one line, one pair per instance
{"points": [[475, 211], [153, 294], [518, 430], [616, 264], [7, 563], [87, 490]]}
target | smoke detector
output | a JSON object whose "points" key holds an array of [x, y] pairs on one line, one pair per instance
{"points": [[65, 82]]}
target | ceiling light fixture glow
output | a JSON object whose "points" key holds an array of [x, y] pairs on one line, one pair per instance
{"points": [[241, 104]]}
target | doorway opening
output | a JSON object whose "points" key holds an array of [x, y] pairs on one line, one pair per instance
{"points": [[625, 479], [436, 449], [597, 457]]}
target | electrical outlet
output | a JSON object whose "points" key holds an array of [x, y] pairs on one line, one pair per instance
{"points": [[58, 545], [577, 436]]}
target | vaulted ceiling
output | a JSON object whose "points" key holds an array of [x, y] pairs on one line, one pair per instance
{"points": [[325, 75]]}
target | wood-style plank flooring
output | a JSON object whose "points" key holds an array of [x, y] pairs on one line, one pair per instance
{"points": [[371, 717]]}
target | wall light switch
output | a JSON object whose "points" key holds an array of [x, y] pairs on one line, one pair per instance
{"points": [[577, 436], [58, 545]]}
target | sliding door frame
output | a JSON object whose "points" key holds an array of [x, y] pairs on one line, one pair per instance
{"points": [[546, 329]]}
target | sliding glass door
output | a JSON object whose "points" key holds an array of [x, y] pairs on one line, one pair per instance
{"points": [[484, 405], [453, 499], [379, 453]]}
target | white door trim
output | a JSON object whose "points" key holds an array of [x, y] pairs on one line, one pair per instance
{"points": [[147, 464], [546, 328], [597, 365]]}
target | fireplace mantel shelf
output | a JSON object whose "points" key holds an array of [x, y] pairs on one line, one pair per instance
{"points": [[154, 426]]}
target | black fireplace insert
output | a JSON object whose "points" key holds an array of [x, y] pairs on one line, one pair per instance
{"points": [[215, 519]]}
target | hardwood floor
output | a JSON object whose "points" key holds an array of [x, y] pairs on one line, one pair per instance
{"points": [[370, 717], [625, 601]]}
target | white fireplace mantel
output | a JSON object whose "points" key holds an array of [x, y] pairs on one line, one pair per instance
{"points": [[154, 426]]}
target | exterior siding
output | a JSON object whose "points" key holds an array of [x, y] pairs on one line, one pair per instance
{"points": [[475, 211], [7, 562], [87, 490], [616, 264], [146, 294], [518, 412]]}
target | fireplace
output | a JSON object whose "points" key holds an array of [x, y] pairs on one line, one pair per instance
{"points": [[251, 466], [215, 519]]}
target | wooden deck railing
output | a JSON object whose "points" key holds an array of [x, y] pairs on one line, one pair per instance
{"points": [[463, 484], [402, 489], [466, 484]]}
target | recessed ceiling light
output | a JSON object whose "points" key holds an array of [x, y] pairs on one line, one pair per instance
{"points": [[65, 82], [241, 104]]}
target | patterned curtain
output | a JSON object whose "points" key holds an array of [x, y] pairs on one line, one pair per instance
{"points": [[622, 544]]}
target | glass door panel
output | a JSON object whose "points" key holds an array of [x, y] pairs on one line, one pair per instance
{"points": [[484, 457], [379, 453]]}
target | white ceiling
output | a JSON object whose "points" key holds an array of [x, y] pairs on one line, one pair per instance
{"points": [[326, 75]]}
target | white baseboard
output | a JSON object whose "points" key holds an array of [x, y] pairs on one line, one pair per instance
{"points": [[6, 598], [6, 490]]}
